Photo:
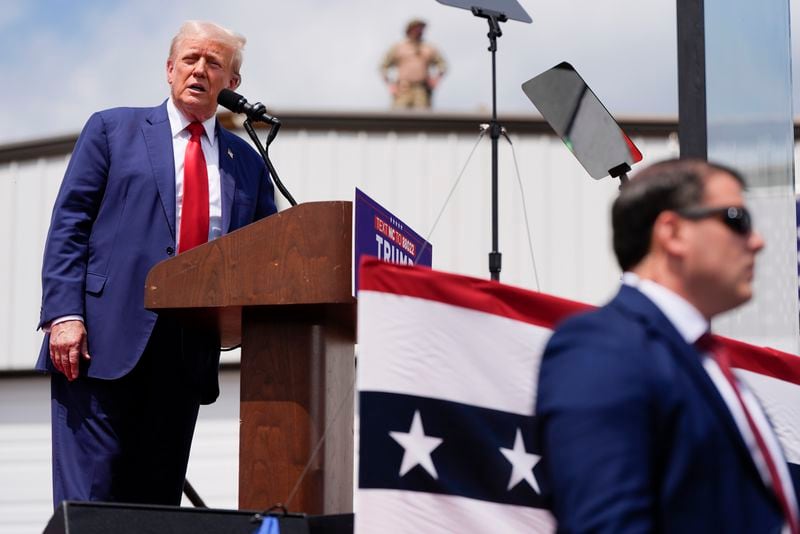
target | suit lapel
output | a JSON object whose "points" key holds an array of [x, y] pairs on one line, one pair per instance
{"points": [[227, 173], [158, 139], [686, 356]]}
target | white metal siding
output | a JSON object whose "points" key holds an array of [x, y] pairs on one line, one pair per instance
{"points": [[25, 484], [25, 488], [410, 173], [27, 193]]}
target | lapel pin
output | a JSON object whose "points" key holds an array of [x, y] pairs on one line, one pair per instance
{"points": [[230, 153]]}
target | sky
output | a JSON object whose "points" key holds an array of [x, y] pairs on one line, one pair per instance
{"points": [[65, 59]]}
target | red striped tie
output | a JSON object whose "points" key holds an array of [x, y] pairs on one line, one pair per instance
{"points": [[194, 209], [707, 343]]}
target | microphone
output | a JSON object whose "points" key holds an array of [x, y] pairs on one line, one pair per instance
{"points": [[239, 104]]}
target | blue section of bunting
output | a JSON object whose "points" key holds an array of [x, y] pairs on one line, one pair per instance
{"points": [[468, 461]]}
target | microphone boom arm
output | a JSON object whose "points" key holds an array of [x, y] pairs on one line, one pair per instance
{"points": [[248, 126]]}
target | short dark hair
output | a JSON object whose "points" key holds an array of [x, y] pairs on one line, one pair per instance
{"points": [[665, 186]]}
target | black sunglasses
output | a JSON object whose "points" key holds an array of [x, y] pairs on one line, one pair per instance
{"points": [[734, 217]]}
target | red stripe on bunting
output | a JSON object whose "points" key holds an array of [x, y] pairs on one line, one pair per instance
{"points": [[467, 292], [536, 308], [763, 360]]}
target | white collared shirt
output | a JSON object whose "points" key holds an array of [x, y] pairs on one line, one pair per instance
{"points": [[691, 324], [180, 140]]}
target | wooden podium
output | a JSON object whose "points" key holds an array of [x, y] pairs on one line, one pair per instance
{"points": [[282, 288]]}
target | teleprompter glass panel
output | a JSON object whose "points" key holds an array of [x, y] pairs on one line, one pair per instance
{"points": [[510, 8], [587, 128], [750, 127]]}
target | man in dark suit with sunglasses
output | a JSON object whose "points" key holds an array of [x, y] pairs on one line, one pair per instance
{"points": [[643, 427]]}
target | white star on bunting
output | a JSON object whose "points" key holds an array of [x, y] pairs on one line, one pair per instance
{"points": [[418, 447], [522, 464]]}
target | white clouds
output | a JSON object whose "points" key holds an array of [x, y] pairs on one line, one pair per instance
{"points": [[313, 54]]}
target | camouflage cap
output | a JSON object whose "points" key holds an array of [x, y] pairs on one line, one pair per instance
{"points": [[413, 23]]}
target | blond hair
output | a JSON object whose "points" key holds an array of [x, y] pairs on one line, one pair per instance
{"points": [[214, 32]]}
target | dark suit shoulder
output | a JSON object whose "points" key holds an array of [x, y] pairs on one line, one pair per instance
{"points": [[122, 113], [604, 354], [125, 119], [607, 328]]}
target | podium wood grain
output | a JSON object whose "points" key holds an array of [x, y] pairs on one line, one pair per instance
{"points": [[282, 288]]}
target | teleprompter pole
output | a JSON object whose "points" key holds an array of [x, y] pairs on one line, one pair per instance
{"points": [[495, 129]]}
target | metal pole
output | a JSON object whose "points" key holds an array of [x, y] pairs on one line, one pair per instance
{"points": [[495, 258]]}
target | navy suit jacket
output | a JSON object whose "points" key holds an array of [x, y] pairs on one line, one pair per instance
{"points": [[114, 219], [634, 435]]}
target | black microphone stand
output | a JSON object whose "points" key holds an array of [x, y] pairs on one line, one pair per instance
{"points": [[495, 131], [273, 132]]}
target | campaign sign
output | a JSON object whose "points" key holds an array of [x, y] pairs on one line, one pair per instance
{"points": [[380, 234]]}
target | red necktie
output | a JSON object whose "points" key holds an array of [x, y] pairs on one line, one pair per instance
{"points": [[194, 209], [707, 343]]}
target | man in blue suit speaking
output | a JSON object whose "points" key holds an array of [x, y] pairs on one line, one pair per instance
{"points": [[643, 425], [141, 185]]}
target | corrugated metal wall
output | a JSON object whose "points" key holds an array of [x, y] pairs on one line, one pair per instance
{"points": [[25, 494], [27, 192], [411, 173], [25, 484]]}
